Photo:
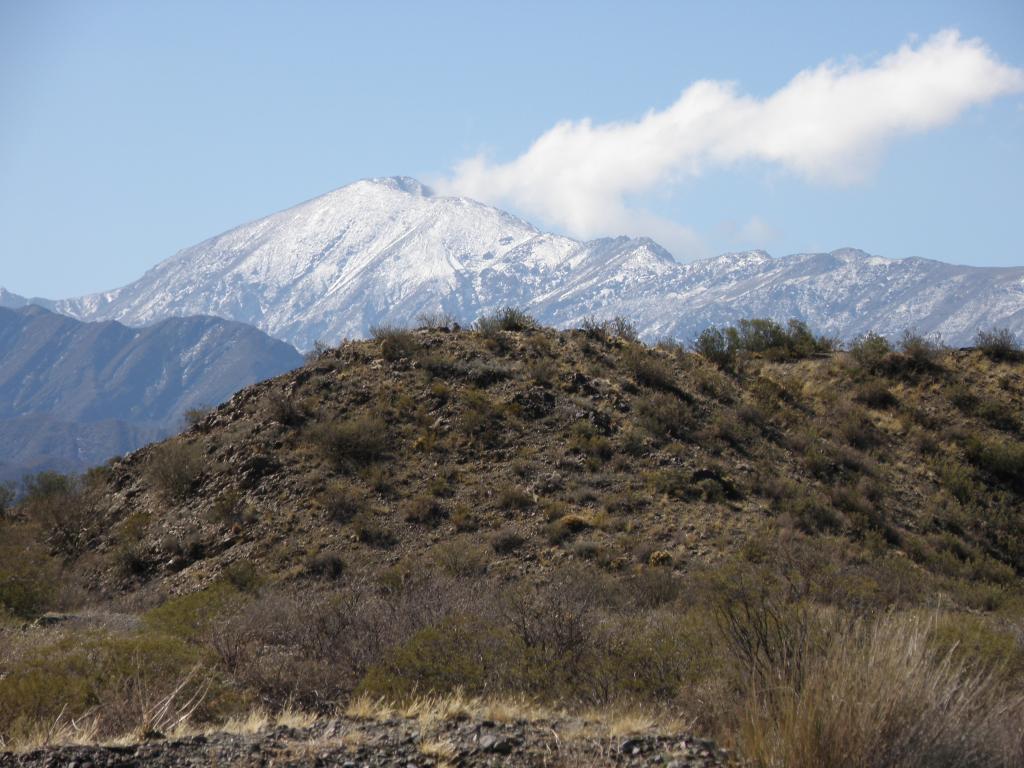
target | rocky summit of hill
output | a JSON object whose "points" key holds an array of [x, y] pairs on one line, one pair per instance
{"points": [[568, 518]]}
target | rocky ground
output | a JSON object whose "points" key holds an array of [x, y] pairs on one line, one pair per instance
{"points": [[398, 742]]}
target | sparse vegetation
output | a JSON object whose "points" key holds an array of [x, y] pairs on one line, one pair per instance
{"points": [[812, 555]]}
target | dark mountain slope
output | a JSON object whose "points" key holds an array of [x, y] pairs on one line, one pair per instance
{"points": [[72, 394]]}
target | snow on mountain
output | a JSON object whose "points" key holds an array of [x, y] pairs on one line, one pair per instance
{"points": [[385, 250]]}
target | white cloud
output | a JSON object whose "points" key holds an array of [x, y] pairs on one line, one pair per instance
{"points": [[828, 124]]}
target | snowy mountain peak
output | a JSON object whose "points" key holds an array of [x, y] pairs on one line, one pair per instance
{"points": [[388, 249], [402, 184]]}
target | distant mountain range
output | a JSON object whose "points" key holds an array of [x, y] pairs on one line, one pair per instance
{"points": [[73, 394], [385, 250]]}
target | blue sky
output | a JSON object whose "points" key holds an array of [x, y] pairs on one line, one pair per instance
{"points": [[131, 130]]}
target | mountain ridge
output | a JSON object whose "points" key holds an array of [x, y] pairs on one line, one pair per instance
{"points": [[72, 394], [385, 250]]}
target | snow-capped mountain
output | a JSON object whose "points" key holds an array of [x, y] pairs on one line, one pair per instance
{"points": [[385, 250]]}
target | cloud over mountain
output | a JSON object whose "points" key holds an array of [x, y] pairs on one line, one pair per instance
{"points": [[828, 124]]}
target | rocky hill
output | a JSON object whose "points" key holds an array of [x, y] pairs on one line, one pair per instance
{"points": [[568, 517], [386, 250]]}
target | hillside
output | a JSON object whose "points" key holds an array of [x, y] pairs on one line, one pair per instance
{"points": [[74, 394], [567, 516], [388, 249]]}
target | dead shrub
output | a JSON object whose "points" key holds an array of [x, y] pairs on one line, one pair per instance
{"points": [[352, 442], [174, 467]]}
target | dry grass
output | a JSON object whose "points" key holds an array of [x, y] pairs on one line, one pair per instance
{"points": [[259, 719], [880, 696], [435, 709], [63, 731]]}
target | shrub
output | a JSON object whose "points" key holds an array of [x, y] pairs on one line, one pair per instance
{"points": [[665, 416], [879, 695], [424, 509], [507, 542], [461, 558], [28, 577], [243, 576], [871, 352], [325, 565], [602, 330], [188, 616], [342, 502], [543, 372], [511, 497], [197, 415], [1002, 459], [463, 518], [7, 497], [504, 319], [1000, 345], [283, 409], [648, 369], [998, 414], [439, 320], [352, 442], [113, 685], [920, 354], [62, 507], [874, 394], [481, 417], [370, 531], [714, 346], [395, 342], [174, 467]]}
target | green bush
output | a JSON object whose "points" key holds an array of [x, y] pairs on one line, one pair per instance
{"points": [[189, 616], [7, 496]]}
